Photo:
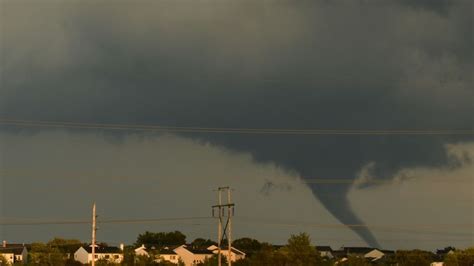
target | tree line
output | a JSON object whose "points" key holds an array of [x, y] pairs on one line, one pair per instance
{"points": [[298, 251]]}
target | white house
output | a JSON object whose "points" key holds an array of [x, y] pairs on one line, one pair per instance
{"points": [[374, 255], [141, 251], [235, 254], [192, 257], [325, 251], [110, 254], [169, 255], [14, 252], [165, 254]]}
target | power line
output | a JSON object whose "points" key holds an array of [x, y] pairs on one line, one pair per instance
{"points": [[249, 220], [332, 181], [99, 221], [413, 228], [274, 131]]}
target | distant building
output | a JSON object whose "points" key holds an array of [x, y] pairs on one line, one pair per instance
{"points": [[110, 254], [325, 251], [192, 257], [169, 255], [357, 251], [141, 251], [444, 251], [14, 252], [374, 255], [235, 254], [165, 254], [370, 254]]}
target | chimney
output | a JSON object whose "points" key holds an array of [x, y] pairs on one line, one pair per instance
{"points": [[4, 243], [122, 246]]}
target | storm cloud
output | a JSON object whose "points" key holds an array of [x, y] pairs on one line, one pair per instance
{"points": [[247, 64]]}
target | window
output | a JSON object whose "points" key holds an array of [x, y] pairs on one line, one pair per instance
{"points": [[116, 256], [107, 256]]}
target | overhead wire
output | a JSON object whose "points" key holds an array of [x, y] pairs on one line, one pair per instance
{"points": [[277, 131]]}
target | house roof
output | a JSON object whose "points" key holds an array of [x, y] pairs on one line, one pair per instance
{"points": [[357, 250], [198, 251], [14, 245], [444, 251], [101, 249], [225, 248], [388, 252], [14, 250], [167, 252], [323, 248]]}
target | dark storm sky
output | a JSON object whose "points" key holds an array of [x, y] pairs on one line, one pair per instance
{"points": [[252, 64]]}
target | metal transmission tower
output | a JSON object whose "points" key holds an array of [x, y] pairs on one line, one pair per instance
{"points": [[226, 232], [94, 230]]}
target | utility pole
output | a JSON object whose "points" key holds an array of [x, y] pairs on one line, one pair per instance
{"points": [[227, 232], [219, 229], [230, 211], [94, 230]]}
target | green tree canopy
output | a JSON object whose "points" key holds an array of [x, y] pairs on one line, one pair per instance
{"points": [[161, 239], [414, 257], [202, 243], [65, 245], [44, 254], [248, 245], [460, 258], [300, 251]]}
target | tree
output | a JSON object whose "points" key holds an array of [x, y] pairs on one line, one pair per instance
{"points": [[267, 256], [248, 245], [199, 243], [460, 258], [66, 246], [3, 260], [355, 261], [43, 254], [144, 261], [300, 251], [414, 257], [212, 261], [264, 256], [128, 256], [161, 239]]}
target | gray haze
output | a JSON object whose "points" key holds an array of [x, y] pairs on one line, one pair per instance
{"points": [[265, 64]]}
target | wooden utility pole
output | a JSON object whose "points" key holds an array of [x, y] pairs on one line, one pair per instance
{"points": [[219, 229], [94, 230], [230, 211], [227, 232]]}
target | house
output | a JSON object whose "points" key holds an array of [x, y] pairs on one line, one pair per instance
{"points": [[192, 257], [14, 252], [357, 251], [374, 255], [370, 254], [165, 254], [141, 251], [235, 254], [445, 251], [442, 253], [437, 263], [325, 251], [170, 255], [110, 254]]}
